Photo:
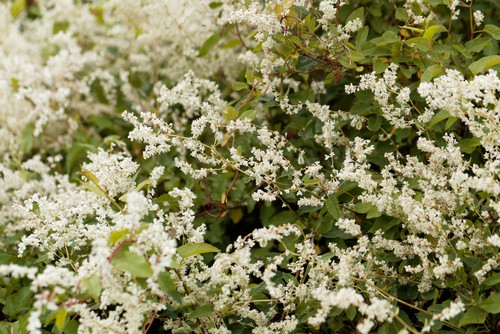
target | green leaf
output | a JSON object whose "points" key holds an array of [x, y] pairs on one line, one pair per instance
{"points": [[92, 285], [27, 138], [384, 224], [281, 218], [91, 176], [193, 249], [492, 280], [363, 207], [75, 156], [357, 14], [401, 14], [249, 76], [93, 188], [351, 312], [333, 207], [231, 44], [373, 213], [432, 31], [449, 123], [430, 73], [310, 22], [374, 123], [437, 118], [239, 85], [249, 114], [468, 145], [209, 44], [305, 64], [474, 315], [60, 26], [201, 311], [117, 236], [167, 284], [71, 327], [61, 318], [380, 66], [362, 35], [230, 113], [460, 48], [98, 13], [356, 56], [17, 8], [215, 4], [19, 302], [417, 30], [491, 304], [478, 44], [493, 30], [484, 63], [419, 43], [236, 215], [133, 263], [312, 182], [175, 264]]}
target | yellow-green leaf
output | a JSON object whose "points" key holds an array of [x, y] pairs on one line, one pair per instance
{"points": [[17, 8], [236, 214], [231, 44], [133, 263], [117, 236], [27, 138], [92, 285], [249, 76], [91, 176], [92, 187], [430, 73], [196, 248], [209, 44], [484, 63], [61, 318], [239, 85], [231, 113], [432, 31], [250, 114], [143, 184], [417, 30]]}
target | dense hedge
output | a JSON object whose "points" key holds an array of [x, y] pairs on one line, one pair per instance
{"points": [[253, 166]]}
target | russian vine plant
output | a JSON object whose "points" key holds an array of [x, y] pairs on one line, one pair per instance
{"points": [[249, 166]]}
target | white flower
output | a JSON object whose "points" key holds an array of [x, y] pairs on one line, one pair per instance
{"points": [[328, 9], [113, 171], [494, 240], [478, 18], [349, 226]]}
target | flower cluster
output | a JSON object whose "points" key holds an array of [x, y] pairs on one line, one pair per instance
{"points": [[234, 166]]}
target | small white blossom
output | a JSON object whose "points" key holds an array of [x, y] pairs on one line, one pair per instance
{"points": [[478, 18]]}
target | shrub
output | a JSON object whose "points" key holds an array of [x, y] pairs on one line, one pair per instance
{"points": [[285, 166]]}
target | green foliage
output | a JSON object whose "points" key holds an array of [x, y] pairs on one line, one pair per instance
{"points": [[188, 250], [309, 60], [133, 263]]}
